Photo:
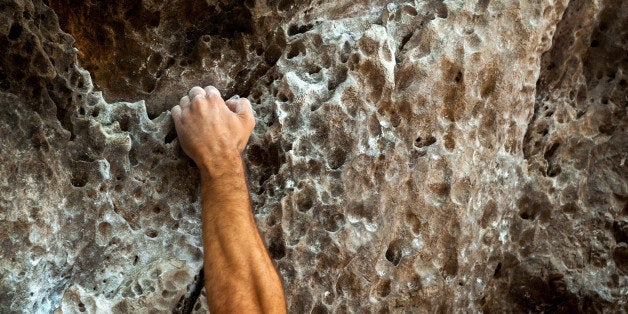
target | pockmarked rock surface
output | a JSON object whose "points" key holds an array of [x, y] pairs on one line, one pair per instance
{"points": [[408, 155]]}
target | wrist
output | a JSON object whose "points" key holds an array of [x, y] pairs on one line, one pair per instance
{"points": [[223, 165]]}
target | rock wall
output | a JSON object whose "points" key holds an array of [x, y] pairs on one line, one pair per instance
{"points": [[410, 155]]}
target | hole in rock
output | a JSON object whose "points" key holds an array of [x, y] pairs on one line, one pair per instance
{"points": [[138, 289], [544, 132], [405, 40], [172, 134], [442, 11], [607, 128], [277, 246], [79, 179], [105, 229], [255, 155], [338, 78], [304, 199], [137, 193], [553, 170], [620, 231], [272, 54], [333, 222], [133, 158], [269, 159], [451, 265], [498, 270], [549, 153], [295, 29], [151, 233], [124, 123], [313, 70], [337, 157], [393, 252], [458, 77], [168, 294], [383, 288], [282, 97], [422, 142], [15, 31], [294, 51]]}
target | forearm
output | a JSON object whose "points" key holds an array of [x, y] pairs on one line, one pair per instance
{"points": [[238, 270]]}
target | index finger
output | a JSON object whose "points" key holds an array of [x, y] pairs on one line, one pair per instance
{"points": [[245, 110]]}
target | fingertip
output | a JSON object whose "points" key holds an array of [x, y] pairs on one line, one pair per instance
{"points": [[232, 104], [196, 90], [175, 110], [212, 91], [246, 104], [185, 101], [175, 113], [245, 109], [245, 100]]}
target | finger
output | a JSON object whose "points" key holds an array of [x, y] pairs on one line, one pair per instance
{"points": [[184, 103], [198, 100], [245, 110], [176, 113], [176, 117], [212, 92], [244, 107], [232, 104], [196, 90]]}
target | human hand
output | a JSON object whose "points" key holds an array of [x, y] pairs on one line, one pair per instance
{"points": [[211, 131]]}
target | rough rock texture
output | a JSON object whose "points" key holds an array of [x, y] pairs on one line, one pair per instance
{"points": [[416, 156]]}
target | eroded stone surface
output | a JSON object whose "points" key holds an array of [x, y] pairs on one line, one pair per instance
{"points": [[434, 155]]}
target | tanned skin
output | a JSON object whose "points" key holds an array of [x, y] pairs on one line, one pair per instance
{"points": [[239, 274]]}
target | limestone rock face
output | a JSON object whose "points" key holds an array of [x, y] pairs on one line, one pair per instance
{"points": [[408, 156]]}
